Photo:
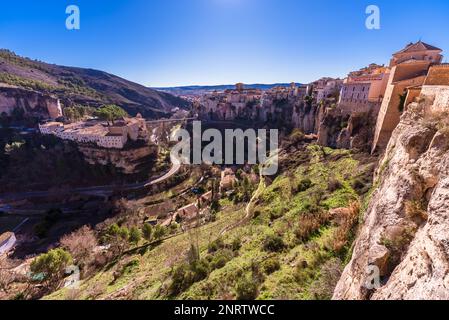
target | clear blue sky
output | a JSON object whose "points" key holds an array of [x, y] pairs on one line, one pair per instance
{"points": [[184, 42]]}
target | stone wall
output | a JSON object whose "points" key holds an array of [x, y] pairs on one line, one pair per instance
{"points": [[438, 97]]}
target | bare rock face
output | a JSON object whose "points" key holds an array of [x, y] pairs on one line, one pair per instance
{"points": [[31, 102], [341, 130], [127, 161], [307, 118], [405, 230]]}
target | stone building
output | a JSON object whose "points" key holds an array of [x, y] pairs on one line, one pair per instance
{"points": [[328, 89], [417, 51], [436, 88], [409, 68], [51, 127], [324, 88], [363, 90], [230, 104], [110, 137]]}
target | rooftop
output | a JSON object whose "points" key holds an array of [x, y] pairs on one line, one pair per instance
{"points": [[418, 46]]}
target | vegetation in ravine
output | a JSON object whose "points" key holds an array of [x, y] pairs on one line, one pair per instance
{"points": [[294, 246]]}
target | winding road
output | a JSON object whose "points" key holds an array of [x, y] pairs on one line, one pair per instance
{"points": [[96, 190]]}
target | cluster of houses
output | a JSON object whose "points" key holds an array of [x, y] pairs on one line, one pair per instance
{"points": [[101, 134], [383, 91], [265, 105], [413, 72]]}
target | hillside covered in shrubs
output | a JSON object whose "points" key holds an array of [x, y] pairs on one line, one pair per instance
{"points": [[291, 242]]}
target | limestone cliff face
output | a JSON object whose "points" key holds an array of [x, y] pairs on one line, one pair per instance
{"points": [[405, 228], [31, 102], [127, 161], [307, 117], [338, 129]]}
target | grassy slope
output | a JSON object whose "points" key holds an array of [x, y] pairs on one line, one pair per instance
{"points": [[277, 212]]}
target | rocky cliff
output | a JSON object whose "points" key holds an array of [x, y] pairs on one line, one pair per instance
{"points": [[307, 117], [127, 161], [31, 102], [338, 129], [405, 229]]}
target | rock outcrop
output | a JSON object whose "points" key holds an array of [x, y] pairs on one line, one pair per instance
{"points": [[127, 161], [307, 117], [32, 103], [405, 229], [343, 130]]}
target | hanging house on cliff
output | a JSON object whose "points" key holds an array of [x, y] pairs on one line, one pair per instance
{"points": [[409, 68]]}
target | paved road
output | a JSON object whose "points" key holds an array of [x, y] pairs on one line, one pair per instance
{"points": [[97, 190], [169, 120]]}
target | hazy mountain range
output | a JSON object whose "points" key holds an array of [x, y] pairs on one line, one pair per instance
{"points": [[195, 90]]}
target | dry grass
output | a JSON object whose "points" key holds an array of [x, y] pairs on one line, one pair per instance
{"points": [[346, 222], [309, 224], [415, 211]]}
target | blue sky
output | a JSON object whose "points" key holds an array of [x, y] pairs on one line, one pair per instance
{"points": [[184, 42]]}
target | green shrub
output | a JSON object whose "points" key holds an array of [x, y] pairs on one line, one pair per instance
{"points": [[216, 245], [360, 186], [50, 267], [296, 136], [271, 265], [134, 235], [276, 213], [200, 269], [246, 289], [219, 261], [273, 243], [147, 231], [159, 232], [323, 287], [181, 279], [236, 244], [183, 276], [304, 185]]}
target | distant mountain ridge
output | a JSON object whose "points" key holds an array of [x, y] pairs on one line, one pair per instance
{"points": [[186, 90], [85, 86]]}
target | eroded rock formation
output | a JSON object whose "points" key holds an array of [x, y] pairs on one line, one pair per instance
{"points": [[405, 229], [32, 103], [128, 161], [344, 130]]}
